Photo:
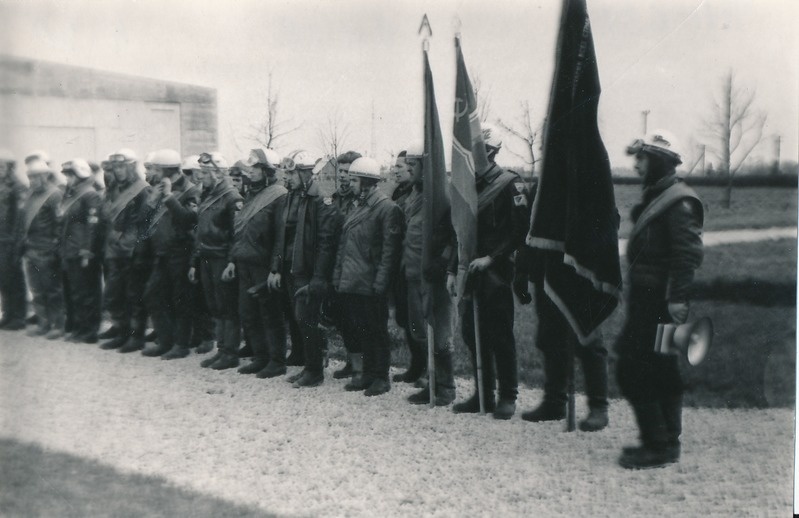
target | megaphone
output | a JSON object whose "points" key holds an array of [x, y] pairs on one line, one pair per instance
{"points": [[692, 339]]}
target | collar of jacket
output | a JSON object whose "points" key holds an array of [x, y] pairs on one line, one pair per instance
{"points": [[651, 191], [375, 196], [312, 189]]}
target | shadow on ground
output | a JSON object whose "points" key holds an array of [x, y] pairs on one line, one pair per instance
{"points": [[37, 482]]}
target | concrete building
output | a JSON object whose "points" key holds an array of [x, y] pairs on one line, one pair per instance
{"points": [[79, 112]]}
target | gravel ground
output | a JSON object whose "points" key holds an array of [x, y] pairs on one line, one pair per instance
{"points": [[327, 452]]}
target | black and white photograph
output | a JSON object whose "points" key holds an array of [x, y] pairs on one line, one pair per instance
{"points": [[399, 258]]}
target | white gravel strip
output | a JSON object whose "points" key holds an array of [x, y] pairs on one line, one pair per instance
{"points": [[743, 235], [327, 452]]}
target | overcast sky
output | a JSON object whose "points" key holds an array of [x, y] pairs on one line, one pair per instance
{"points": [[357, 56]]}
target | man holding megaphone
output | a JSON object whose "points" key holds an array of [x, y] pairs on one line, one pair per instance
{"points": [[664, 250]]}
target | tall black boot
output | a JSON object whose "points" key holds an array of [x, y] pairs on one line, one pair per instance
{"points": [[672, 412], [595, 372], [654, 451], [556, 373]]}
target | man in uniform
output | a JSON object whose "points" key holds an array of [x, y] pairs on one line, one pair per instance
{"points": [[502, 221], [123, 212], [202, 325], [238, 178], [212, 264], [343, 200], [367, 256], [428, 289], [39, 235], [399, 286], [256, 255], [12, 281], [311, 225], [171, 216], [79, 250]]}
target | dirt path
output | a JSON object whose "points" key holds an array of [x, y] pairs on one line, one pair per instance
{"points": [[326, 452]]}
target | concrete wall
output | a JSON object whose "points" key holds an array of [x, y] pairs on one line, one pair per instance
{"points": [[70, 111]]}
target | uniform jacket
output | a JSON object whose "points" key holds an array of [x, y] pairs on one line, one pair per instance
{"points": [[170, 222], [256, 242], [503, 218], [316, 237], [124, 228], [369, 247], [215, 219], [40, 226], [11, 198], [79, 212], [665, 245]]}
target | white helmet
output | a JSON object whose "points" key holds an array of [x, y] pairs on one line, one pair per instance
{"points": [[37, 155], [38, 166], [190, 163], [214, 161], [365, 167], [491, 136], [299, 159], [123, 155], [264, 157], [165, 158], [659, 142], [77, 166]]}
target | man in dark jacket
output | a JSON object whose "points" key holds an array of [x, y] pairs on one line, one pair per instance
{"points": [[399, 285], [212, 262], [428, 289], [665, 248], [366, 260], [171, 216], [257, 254], [311, 225], [123, 214], [79, 249], [12, 280], [343, 200], [39, 234], [502, 221]]}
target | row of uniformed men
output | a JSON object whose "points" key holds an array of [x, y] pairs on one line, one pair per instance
{"points": [[270, 257]]}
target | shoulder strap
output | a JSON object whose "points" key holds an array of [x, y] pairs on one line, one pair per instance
{"points": [[33, 209], [666, 199]]}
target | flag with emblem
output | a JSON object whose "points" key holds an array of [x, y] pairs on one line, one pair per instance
{"points": [[435, 198], [468, 156], [574, 218]]}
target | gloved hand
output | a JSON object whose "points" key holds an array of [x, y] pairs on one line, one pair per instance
{"points": [[679, 312], [522, 289], [273, 281]]}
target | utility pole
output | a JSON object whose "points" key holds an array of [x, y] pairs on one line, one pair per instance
{"points": [[703, 159], [776, 166], [645, 114]]}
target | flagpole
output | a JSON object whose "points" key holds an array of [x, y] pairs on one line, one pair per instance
{"points": [[478, 352], [431, 344]]}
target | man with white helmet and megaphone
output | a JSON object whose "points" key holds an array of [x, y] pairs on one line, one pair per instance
{"points": [[664, 250]]}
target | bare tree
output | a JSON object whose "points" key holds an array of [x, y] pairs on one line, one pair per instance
{"points": [[737, 127], [333, 133], [527, 132], [268, 132]]}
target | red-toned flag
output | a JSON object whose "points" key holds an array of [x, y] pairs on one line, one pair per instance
{"points": [[435, 199], [468, 157], [574, 216]]}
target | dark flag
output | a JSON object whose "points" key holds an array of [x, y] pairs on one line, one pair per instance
{"points": [[574, 218], [434, 189], [468, 157]]}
